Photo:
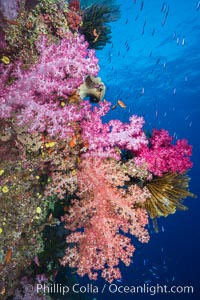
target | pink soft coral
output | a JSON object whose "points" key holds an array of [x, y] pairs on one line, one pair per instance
{"points": [[61, 68], [162, 156], [103, 210]]}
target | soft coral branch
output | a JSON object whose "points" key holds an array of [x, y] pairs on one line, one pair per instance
{"points": [[106, 212]]}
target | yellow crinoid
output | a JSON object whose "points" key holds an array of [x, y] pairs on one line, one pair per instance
{"points": [[167, 194]]}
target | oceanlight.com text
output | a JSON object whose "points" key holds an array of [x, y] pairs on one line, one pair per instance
{"points": [[113, 289]]}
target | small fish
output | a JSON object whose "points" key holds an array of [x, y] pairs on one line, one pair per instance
{"points": [[174, 35], [50, 217], [150, 54], [174, 91], [144, 262], [73, 141], [153, 267], [36, 261], [177, 40], [163, 230], [165, 18], [142, 5], [164, 21], [187, 117], [75, 97], [136, 18], [165, 114], [173, 278], [119, 280], [198, 6], [8, 255], [142, 91], [183, 42], [156, 113], [151, 270], [114, 106], [153, 32], [126, 21], [162, 249], [158, 60], [96, 35], [147, 281], [121, 103], [143, 27], [190, 125]]}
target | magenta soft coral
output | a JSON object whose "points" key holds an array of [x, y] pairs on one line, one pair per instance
{"points": [[61, 68], [105, 138], [103, 210], [162, 156]]}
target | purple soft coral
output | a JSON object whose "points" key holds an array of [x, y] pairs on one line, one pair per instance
{"points": [[9, 8], [62, 67]]}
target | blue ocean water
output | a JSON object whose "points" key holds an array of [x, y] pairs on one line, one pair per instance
{"points": [[153, 66]]}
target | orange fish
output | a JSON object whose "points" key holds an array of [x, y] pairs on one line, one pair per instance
{"points": [[96, 35], [50, 217], [95, 32], [8, 255], [121, 103], [74, 98], [73, 141]]}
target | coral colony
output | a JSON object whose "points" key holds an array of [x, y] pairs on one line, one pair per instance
{"points": [[63, 171]]}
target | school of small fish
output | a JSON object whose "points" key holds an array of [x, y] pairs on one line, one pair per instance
{"points": [[156, 79]]}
